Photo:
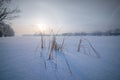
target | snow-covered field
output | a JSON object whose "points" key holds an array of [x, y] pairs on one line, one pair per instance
{"points": [[22, 59]]}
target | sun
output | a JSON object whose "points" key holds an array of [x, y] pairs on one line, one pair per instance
{"points": [[41, 27]]}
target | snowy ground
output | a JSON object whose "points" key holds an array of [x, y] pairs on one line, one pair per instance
{"points": [[20, 60]]}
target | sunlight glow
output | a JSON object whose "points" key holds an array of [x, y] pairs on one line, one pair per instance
{"points": [[42, 27]]}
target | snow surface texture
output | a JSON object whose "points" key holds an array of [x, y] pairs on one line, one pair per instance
{"points": [[21, 60]]}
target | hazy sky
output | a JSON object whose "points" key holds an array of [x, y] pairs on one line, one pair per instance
{"points": [[66, 15]]}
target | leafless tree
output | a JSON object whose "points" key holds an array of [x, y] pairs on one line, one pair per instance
{"points": [[5, 12]]}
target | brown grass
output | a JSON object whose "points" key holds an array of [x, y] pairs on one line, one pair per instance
{"points": [[52, 47], [79, 45]]}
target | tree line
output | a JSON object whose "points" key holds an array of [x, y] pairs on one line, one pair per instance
{"points": [[112, 32]]}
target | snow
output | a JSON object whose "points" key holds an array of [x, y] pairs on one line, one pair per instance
{"points": [[21, 59]]}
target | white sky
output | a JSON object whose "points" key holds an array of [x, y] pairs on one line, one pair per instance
{"points": [[69, 15]]}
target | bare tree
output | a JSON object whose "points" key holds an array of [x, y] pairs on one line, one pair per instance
{"points": [[5, 12]]}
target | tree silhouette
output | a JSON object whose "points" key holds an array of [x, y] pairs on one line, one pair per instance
{"points": [[6, 14], [6, 30]]}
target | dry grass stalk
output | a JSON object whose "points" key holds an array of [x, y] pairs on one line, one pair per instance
{"points": [[79, 45], [42, 43], [62, 44], [42, 39], [53, 47], [91, 46]]}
